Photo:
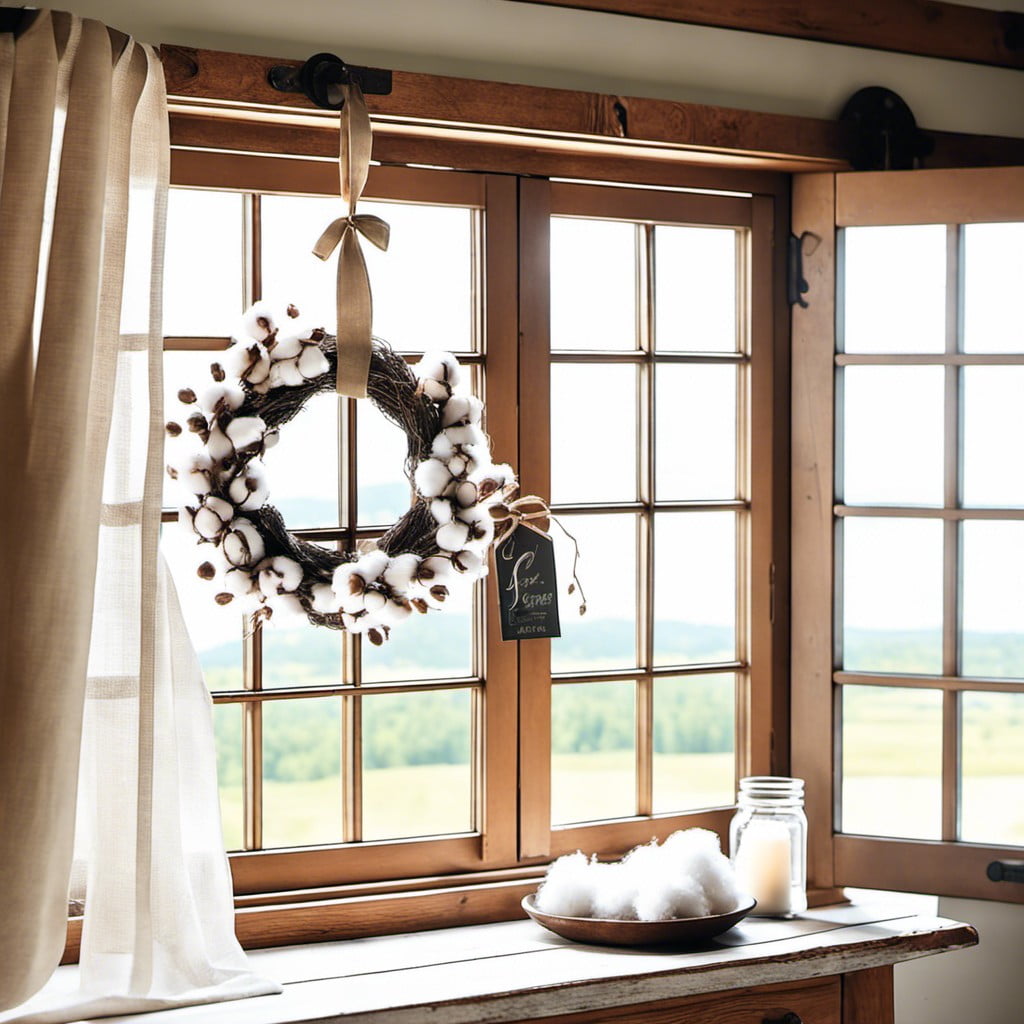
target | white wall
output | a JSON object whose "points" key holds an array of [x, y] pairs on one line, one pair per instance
{"points": [[498, 40]]}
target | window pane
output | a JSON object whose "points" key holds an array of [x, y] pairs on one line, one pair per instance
{"points": [[892, 762], [993, 425], [203, 262], [694, 587], [593, 751], [695, 432], [606, 636], [694, 742], [695, 289], [992, 642], [302, 468], [227, 738], [302, 795], [422, 286], [297, 653], [892, 595], [384, 490], [992, 768], [895, 289], [993, 282], [594, 451], [892, 437], [437, 645], [215, 630], [593, 284], [417, 779]]}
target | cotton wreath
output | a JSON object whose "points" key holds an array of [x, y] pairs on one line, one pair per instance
{"points": [[274, 365]]}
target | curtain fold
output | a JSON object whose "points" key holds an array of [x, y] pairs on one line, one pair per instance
{"points": [[104, 715]]}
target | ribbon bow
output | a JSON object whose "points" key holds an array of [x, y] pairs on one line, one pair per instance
{"points": [[523, 511], [355, 321]]}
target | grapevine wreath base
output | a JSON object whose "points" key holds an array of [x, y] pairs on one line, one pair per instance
{"points": [[440, 544]]}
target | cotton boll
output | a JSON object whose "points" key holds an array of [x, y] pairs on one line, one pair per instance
{"points": [[441, 510], [394, 611], [242, 544], [312, 362], [241, 583], [353, 602], [399, 574], [434, 390], [439, 366], [470, 563], [286, 374], [442, 447], [194, 473], [325, 601], [481, 537], [288, 346], [280, 575], [457, 465], [285, 606], [373, 601], [208, 524], [249, 490], [372, 564], [346, 580], [245, 431], [223, 509], [567, 889], [186, 520], [466, 494], [218, 445], [218, 398], [258, 321], [355, 623], [452, 536], [434, 570], [468, 434], [614, 892], [455, 410], [431, 478]]}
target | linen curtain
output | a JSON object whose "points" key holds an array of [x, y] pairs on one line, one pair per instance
{"points": [[98, 679]]}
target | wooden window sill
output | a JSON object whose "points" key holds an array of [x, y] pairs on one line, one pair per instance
{"points": [[514, 970]]}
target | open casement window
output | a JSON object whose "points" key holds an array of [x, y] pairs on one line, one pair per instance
{"points": [[625, 340], [908, 528]]}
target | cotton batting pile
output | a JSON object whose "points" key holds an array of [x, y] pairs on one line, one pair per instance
{"points": [[686, 876]]}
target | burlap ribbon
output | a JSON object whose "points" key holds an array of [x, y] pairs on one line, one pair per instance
{"points": [[355, 302], [523, 511]]}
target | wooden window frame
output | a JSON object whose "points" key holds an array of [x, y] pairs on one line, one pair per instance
{"points": [[822, 205]]}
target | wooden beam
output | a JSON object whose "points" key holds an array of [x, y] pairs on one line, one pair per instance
{"points": [[223, 100], [924, 28]]}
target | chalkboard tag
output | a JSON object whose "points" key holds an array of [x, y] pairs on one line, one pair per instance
{"points": [[527, 588]]}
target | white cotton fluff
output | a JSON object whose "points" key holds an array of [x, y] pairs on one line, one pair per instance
{"points": [[246, 430], [280, 575], [373, 601], [699, 850], [285, 606], [286, 374], [312, 362], [567, 889], [218, 445], [441, 447], [341, 581], [466, 494], [194, 473], [493, 479], [482, 537], [470, 563], [437, 569], [441, 367], [614, 891], [441, 510], [221, 396], [461, 409], [356, 623], [434, 390], [372, 564], [394, 612], [468, 434], [246, 361], [458, 465], [208, 524], [241, 583], [242, 544], [325, 601], [288, 346], [452, 536], [681, 878], [249, 490], [251, 327], [431, 478], [399, 574], [270, 439]]}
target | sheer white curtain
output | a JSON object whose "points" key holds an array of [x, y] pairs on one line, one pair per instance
{"points": [[98, 679]]}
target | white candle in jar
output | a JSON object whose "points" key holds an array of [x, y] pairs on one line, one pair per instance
{"points": [[763, 866]]}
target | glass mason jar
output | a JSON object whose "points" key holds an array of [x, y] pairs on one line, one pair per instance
{"points": [[768, 844]]}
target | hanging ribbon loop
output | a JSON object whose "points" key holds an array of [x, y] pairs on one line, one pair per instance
{"points": [[523, 511], [354, 299]]}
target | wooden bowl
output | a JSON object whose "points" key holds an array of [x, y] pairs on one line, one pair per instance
{"points": [[680, 931]]}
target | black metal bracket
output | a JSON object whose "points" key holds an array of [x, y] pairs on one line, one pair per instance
{"points": [[316, 77], [1006, 871], [883, 135], [796, 284]]}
